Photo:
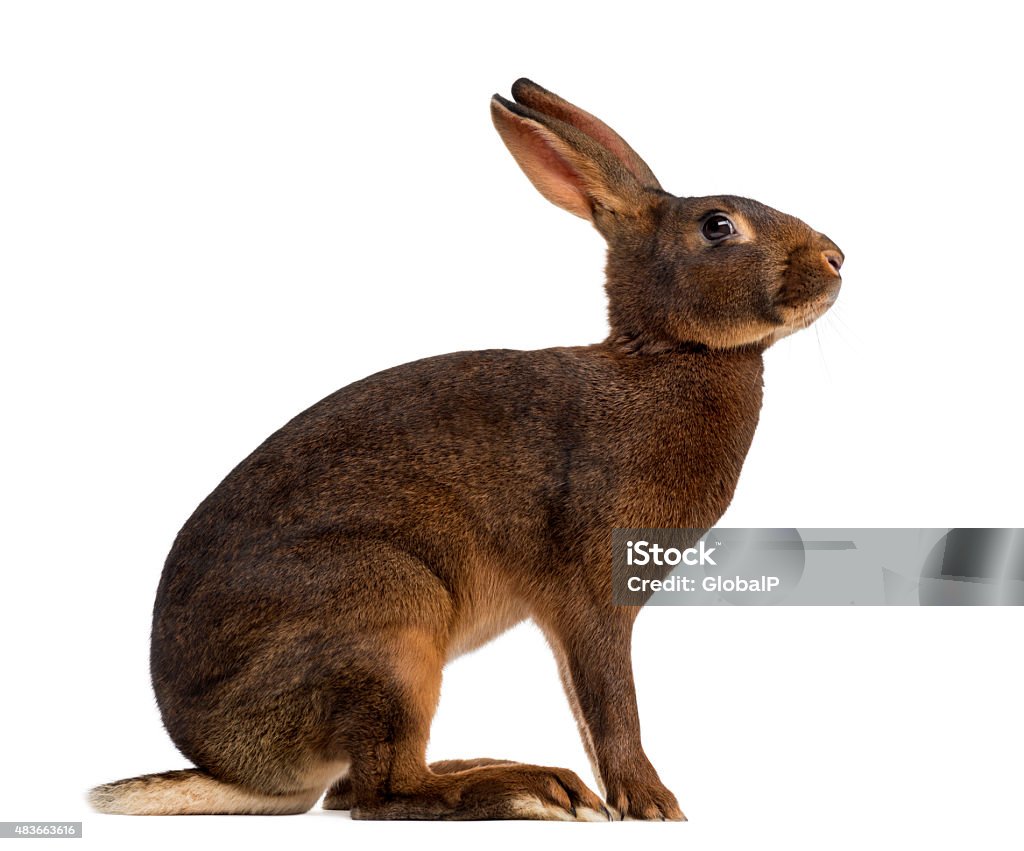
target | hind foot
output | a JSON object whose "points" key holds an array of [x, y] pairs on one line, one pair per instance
{"points": [[341, 797], [490, 789]]}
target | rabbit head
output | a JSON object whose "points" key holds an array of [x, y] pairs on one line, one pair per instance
{"points": [[718, 272]]}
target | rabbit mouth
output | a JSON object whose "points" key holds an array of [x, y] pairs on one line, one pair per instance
{"points": [[811, 312], [795, 317]]}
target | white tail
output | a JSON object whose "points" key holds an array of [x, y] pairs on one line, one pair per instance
{"points": [[192, 792]]}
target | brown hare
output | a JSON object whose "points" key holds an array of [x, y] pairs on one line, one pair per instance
{"points": [[307, 608]]}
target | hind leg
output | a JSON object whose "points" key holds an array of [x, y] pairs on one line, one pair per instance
{"points": [[341, 797], [385, 734], [390, 778]]}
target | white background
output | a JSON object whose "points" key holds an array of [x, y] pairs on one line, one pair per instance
{"points": [[214, 214]]}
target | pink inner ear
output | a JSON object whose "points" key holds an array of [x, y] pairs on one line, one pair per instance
{"points": [[553, 162], [537, 153]]}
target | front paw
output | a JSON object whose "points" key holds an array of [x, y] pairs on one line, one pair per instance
{"points": [[646, 802]]}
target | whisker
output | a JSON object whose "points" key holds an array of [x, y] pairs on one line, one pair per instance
{"points": [[839, 318], [821, 351]]}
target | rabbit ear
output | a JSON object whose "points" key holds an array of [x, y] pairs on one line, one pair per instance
{"points": [[541, 100], [568, 167]]}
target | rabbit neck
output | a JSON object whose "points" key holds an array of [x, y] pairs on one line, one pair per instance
{"points": [[686, 430]]}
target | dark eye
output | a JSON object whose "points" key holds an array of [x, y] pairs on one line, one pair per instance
{"points": [[717, 227]]}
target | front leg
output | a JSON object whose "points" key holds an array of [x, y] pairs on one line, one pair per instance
{"points": [[594, 652]]}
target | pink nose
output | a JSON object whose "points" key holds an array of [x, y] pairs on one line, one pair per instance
{"points": [[834, 259]]}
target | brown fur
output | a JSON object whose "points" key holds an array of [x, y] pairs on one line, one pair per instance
{"points": [[308, 606]]}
